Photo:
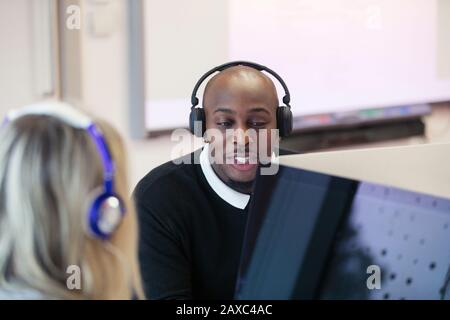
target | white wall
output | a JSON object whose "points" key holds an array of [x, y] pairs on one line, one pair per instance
{"points": [[104, 72], [16, 76], [103, 68]]}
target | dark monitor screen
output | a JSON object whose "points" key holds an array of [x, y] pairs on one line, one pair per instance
{"points": [[316, 236]]}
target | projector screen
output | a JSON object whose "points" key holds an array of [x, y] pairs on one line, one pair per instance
{"points": [[334, 55]]}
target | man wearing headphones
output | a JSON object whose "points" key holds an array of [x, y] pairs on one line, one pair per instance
{"points": [[192, 215]]}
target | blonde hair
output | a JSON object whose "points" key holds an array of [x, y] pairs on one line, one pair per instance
{"points": [[49, 173]]}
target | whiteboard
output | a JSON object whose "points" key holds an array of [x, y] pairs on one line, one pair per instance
{"points": [[334, 55]]}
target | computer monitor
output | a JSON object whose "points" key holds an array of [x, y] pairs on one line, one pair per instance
{"points": [[316, 236]]}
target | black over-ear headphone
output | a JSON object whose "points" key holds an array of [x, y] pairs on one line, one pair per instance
{"points": [[284, 114]]}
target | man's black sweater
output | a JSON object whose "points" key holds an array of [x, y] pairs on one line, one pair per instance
{"points": [[190, 238]]}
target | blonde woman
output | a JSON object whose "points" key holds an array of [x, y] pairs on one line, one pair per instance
{"points": [[67, 227]]}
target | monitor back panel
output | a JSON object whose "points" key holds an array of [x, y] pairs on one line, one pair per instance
{"points": [[311, 235], [405, 235]]}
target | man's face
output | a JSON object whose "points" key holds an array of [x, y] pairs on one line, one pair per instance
{"points": [[234, 104]]}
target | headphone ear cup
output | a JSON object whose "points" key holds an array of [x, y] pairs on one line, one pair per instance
{"points": [[284, 121], [197, 122], [105, 215]]}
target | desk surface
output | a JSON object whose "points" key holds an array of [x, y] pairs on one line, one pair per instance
{"points": [[420, 168]]}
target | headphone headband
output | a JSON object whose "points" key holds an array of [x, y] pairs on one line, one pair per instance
{"points": [[76, 119], [106, 210], [259, 67], [57, 109]]}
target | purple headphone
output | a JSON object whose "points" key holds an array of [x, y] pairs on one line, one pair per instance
{"points": [[107, 210]]}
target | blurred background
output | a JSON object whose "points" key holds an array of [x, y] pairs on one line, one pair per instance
{"points": [[362, 73]]}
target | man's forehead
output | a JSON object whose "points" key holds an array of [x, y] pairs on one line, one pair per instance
{"points": [[238, 76], [240, 82]]}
